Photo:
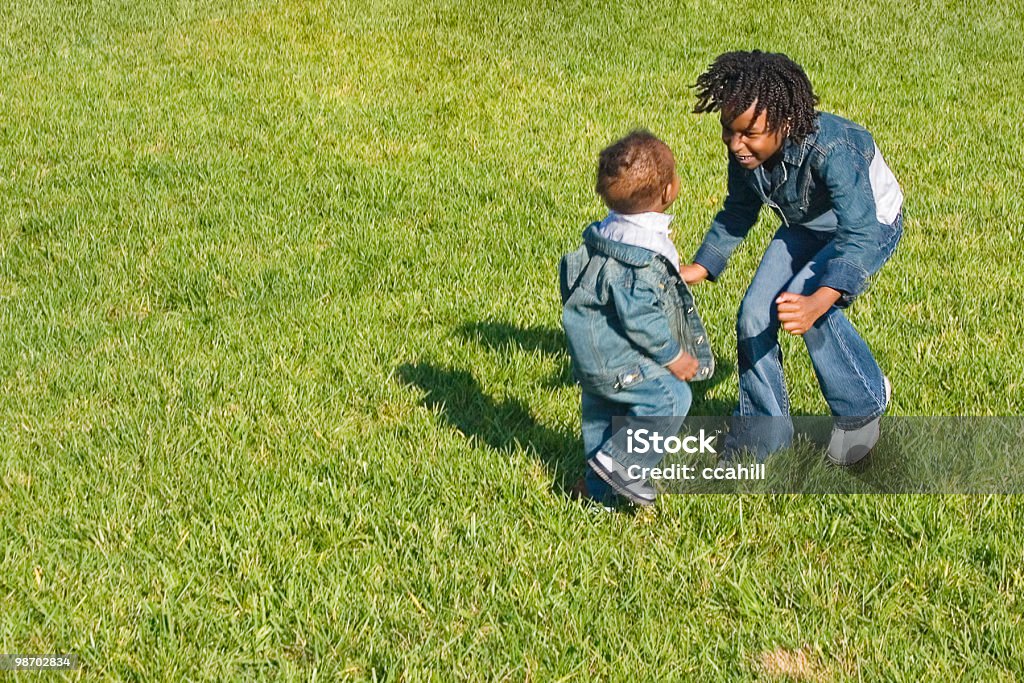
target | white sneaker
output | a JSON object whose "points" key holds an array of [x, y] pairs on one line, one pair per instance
{"points": [[850, 446], [638, 491]]}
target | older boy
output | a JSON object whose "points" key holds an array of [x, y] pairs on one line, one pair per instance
{"points": [[841, 212]]}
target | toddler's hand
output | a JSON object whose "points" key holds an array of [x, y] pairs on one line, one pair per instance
{"points": [[692, 273], [684, 367]]}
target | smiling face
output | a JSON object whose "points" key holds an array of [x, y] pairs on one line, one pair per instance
{"points": [[748, 138]]}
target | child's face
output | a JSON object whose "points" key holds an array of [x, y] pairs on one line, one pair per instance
{"points": [[748, 138]]}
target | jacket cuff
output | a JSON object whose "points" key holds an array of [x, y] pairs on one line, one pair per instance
{"points": [[712, 259], [674, 359], [669, 354], [846, 277]]}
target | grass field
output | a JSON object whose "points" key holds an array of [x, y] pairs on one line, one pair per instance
{"points": [[284, 389]]}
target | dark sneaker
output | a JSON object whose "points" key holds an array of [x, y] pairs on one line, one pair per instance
{"points": [[637, 491]]}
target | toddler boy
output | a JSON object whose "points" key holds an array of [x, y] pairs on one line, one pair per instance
{"points": [[633, 331]]}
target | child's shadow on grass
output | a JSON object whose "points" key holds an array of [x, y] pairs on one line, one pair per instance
{"points": [[506, 338], [551, 341], [457, 396]]}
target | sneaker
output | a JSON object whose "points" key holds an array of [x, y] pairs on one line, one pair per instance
{"points": [[637, 491], [850, 446]]}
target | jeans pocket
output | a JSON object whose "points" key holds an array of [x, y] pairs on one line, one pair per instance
{"points": [[628, 378]]}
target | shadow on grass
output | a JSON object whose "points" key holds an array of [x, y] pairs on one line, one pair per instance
{"points": [[506, 338], [457, 396], [499, 336]]}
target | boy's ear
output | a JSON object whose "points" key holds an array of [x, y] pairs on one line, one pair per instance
{"points": [[671, 191]]}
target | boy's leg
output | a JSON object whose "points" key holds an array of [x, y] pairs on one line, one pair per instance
{"points": [[761, 425], [597, 415], [848, 374], [659, 403]]}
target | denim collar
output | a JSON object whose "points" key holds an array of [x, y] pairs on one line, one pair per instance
{"points": [[793, 153], [627, 253]]}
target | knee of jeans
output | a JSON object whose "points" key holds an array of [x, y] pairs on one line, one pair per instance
{"points": [[815, 333], [754, 319]]}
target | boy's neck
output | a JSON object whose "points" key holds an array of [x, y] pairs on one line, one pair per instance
{"points": [[771, 162], [654, 208], [646, 220]]}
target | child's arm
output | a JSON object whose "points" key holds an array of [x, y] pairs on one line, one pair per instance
{"points": [[729, 227], [847, 175], [644, 322]]}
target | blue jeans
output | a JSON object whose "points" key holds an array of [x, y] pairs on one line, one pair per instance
{"points": [[659, 396], [849, 377]]}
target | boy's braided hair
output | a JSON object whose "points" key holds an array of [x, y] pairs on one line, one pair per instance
{"points": [[735, 80]]}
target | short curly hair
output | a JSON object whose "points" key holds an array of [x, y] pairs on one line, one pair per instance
{"points": [[633, 172], [777, 84]]}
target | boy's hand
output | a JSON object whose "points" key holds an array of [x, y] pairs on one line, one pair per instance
{"points": [[684, 366], [798, 313], [692, 273]]}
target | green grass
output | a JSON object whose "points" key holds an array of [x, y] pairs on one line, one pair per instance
{"points": [[284, 391]]}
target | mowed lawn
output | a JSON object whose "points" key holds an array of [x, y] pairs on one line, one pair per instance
{"points": [[284, 392]]}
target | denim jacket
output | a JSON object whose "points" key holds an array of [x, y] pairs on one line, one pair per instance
{"points": [[623, 304], [835, 180]]}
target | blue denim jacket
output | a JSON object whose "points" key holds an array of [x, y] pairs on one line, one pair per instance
{"points": [[835, 180], [623, 305]]}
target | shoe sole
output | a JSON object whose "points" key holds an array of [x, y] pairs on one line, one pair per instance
{"points": [[618, 487]]}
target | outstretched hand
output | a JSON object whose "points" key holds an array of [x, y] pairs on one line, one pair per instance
{"points": [[798, 313], [692, 273]]}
